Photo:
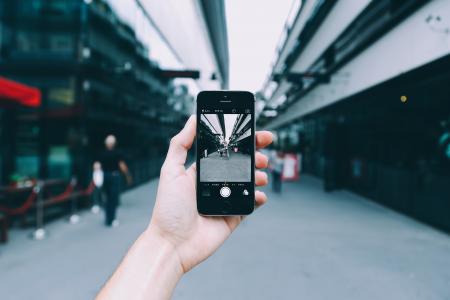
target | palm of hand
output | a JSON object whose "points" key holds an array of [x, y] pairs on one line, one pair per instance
{"points": [[194, 237]]}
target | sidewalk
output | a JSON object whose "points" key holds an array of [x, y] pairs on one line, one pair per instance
{"points": [[303, 245]]}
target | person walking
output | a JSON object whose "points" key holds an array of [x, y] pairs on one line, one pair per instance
{"points": [[277, 171], [112, 163]]}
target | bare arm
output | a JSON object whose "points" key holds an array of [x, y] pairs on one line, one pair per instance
{"points": [[124, 169], [150, 270]]}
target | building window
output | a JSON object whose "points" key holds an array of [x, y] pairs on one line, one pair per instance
{"points": [[28, 41], [36, 8], [61, 43], [59, 162]]}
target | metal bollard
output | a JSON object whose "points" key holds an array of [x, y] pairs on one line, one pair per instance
{"points": [[39, 233], [74, 217]]}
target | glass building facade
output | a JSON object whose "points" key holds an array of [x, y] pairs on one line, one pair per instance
{"points": [[98, 74]]}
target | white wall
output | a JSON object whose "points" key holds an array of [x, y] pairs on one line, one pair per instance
{"points": [[182, 24], [411, 44], [290, 43], [336, 22], [340, 16]]}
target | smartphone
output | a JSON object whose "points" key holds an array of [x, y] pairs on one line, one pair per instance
{"points": [[225, 153]]}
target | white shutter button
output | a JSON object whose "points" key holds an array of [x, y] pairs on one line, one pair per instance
{"points": [[225, 192]]}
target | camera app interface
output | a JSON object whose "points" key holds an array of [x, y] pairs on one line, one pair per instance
{"points": [[225, 150]]}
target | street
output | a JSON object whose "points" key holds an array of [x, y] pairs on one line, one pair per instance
{"points": [[304, 244], [234, 169]]}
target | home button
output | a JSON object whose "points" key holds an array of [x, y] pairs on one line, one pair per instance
{"points": [[225, 192]]}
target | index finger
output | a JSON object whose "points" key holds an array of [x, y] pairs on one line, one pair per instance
{"points": [[263, 138]]}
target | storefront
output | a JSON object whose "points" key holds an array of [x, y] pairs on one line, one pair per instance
{"points": [[18, 145]]}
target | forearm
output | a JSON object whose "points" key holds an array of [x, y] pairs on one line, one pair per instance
{"points": [[123, 168], [150, 270]]}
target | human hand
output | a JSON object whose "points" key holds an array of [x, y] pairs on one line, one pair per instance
{"points": [[129, 179], [178, 238], [175, 218]]}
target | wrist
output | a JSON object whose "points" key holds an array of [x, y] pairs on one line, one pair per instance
{"points": [[150, 270], [168, 251]]}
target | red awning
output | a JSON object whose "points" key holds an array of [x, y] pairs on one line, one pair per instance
{"points": [[20, 93]]}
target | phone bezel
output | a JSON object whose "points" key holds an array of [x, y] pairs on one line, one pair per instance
{"points": [[226, 99]]}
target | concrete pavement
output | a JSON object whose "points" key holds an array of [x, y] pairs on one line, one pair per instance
{"points": [[303, 245]]}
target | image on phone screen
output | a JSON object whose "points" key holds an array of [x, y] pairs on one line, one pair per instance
{"points": [[226, 148]]}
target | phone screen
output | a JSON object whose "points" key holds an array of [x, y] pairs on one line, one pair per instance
{"points": [[225, 153]]}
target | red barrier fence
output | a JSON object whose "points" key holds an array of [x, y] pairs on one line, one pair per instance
{"points": [[38, 198], [3, 228], [26, 205]]}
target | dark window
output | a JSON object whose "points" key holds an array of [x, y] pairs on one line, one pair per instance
{"points": [[28, 41], [61, 43], [36, 8]]}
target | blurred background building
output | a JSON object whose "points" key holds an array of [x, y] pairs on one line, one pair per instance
{"points": [[101, 67], [360, 89]]}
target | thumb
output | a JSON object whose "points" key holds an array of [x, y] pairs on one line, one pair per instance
{"points": [[181, 143]]}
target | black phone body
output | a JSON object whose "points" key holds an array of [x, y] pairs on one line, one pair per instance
{"points": [[225, 153]]}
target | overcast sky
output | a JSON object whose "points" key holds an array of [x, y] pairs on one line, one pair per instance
{"points": [[254, 27]]}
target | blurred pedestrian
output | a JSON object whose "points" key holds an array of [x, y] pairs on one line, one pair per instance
{"points": [[97, 178], [112, 163], [277, 166]]}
